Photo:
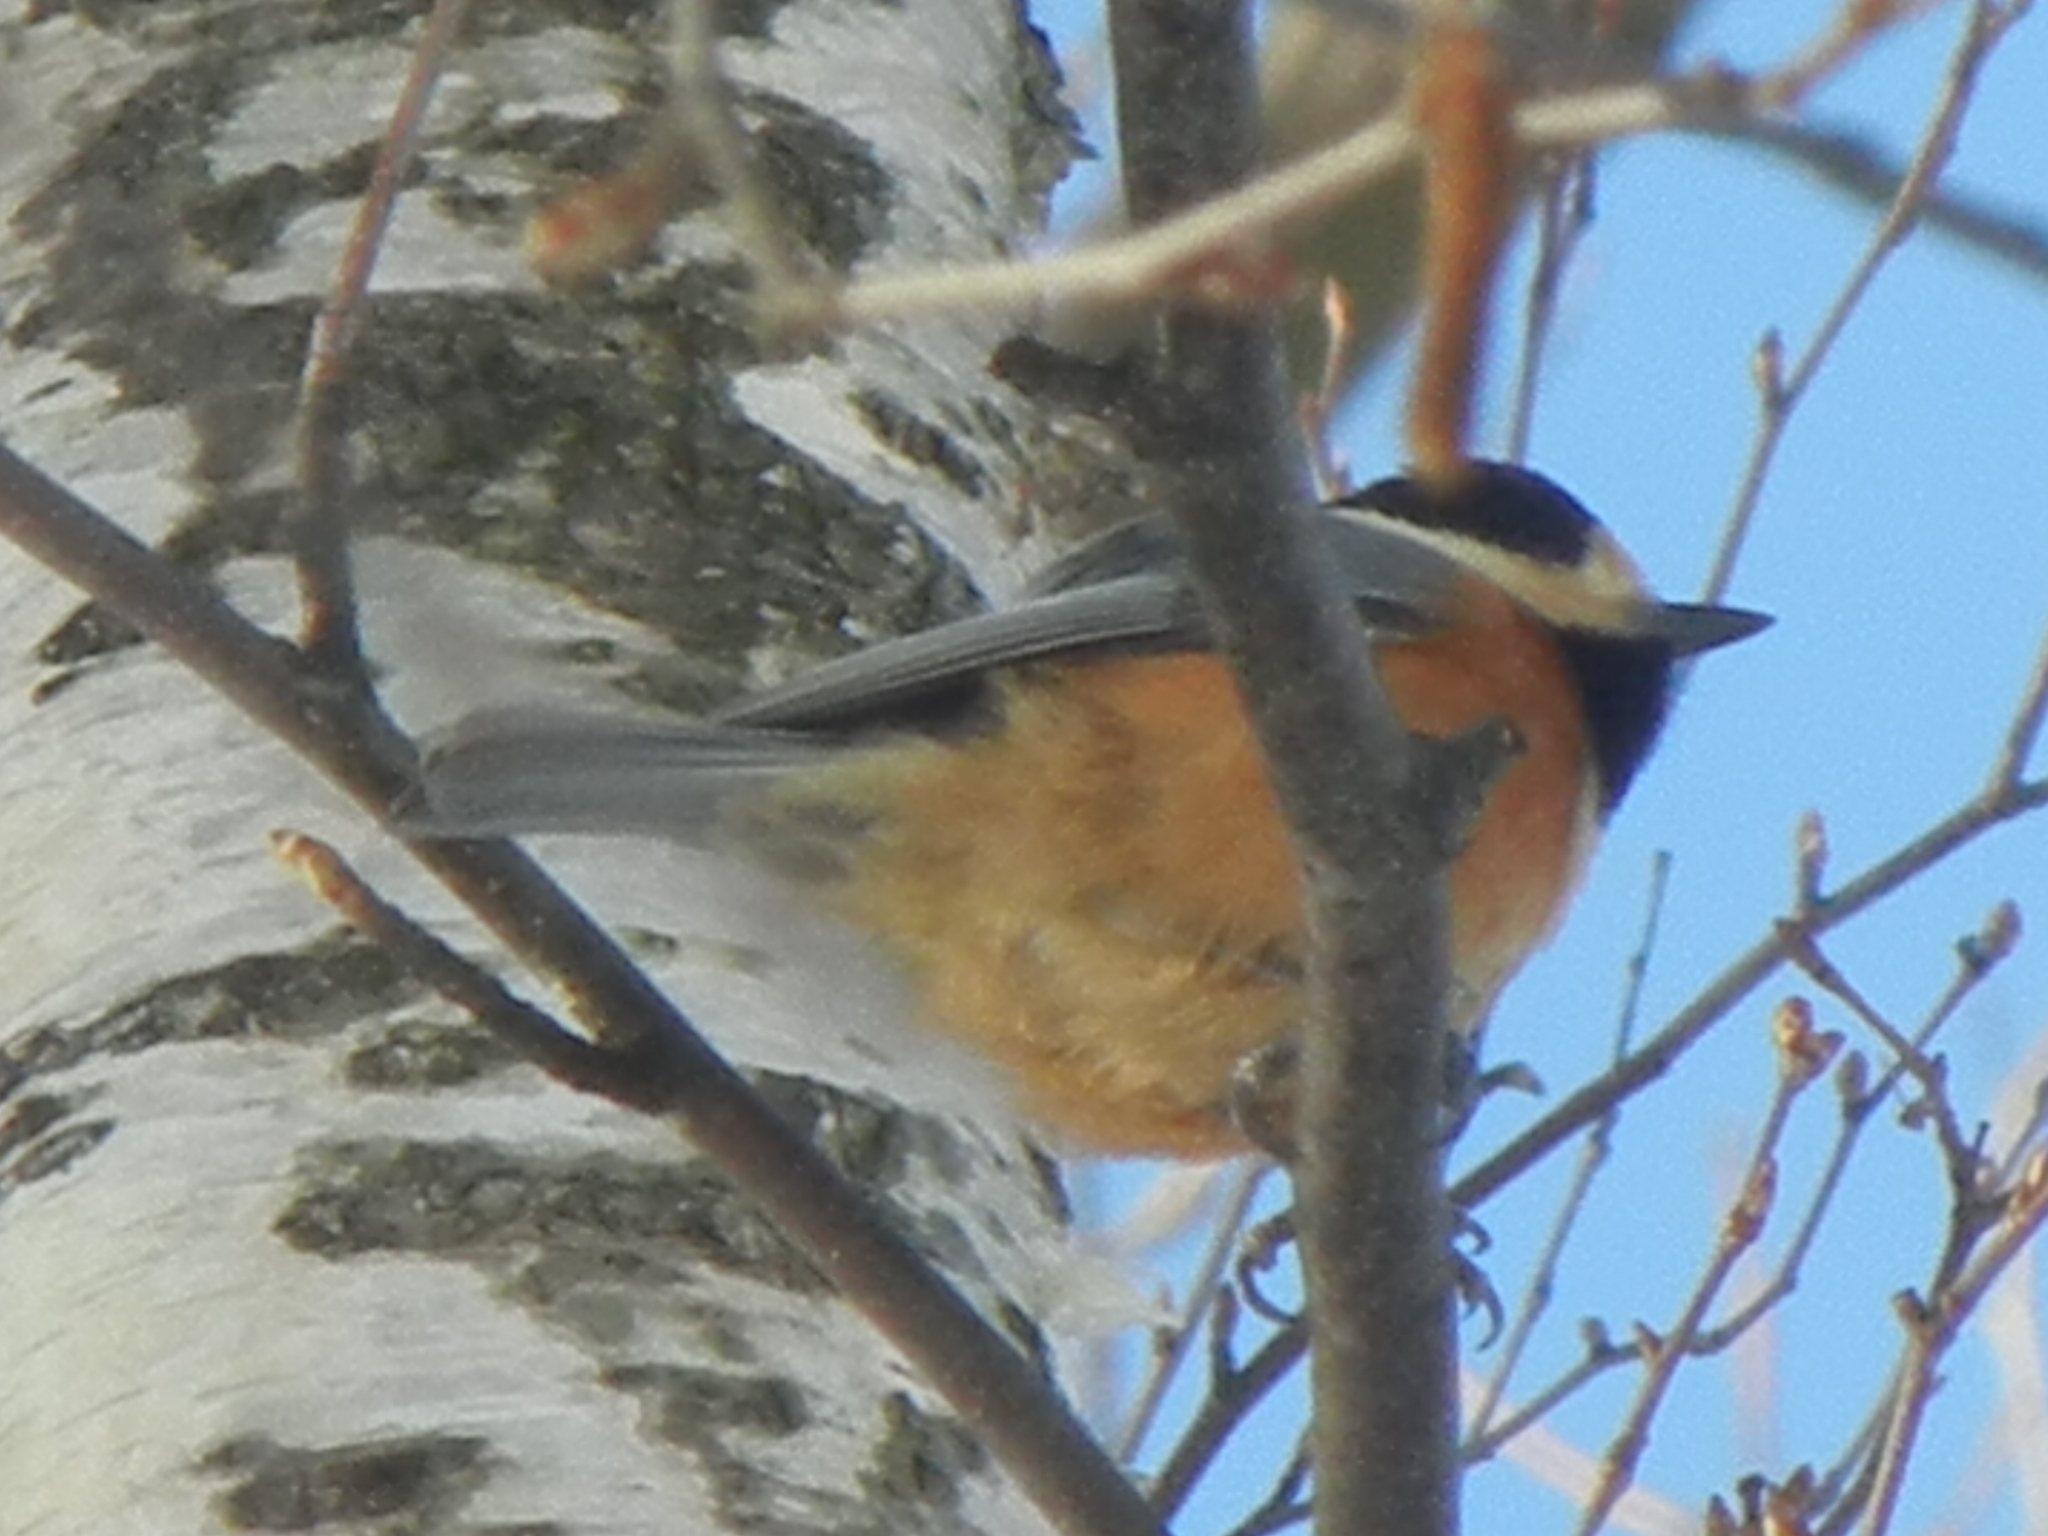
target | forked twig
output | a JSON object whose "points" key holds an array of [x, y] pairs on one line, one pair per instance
{"points": [[1801, 1058]]}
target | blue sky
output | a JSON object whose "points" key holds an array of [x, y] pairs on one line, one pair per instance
{"points": [[1903, 544]]}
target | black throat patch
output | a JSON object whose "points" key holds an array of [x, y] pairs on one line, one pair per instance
{"points": [[1624, 683]]}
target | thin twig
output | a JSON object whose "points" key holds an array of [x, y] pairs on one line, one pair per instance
{"points": [[1906, 1055], [1221, 1413], [1910, 1393], [1845, 159], [1229, 1402], [1991, 807], [1932, 1327], [1979, 1204], [1663, 1050], [320, 532], [1858, 1099], [1592, 1157], [1178, 1339], [1856, 1105], [1284, 1505], [1602, 1355], [1781, 390], [1319, 408], [1978, 957], [1564, 214], [701, 105], [1843, 1490], [1856, 24], [561, 1053], [2027, 1134], [1143, 264], [2024, 733], [1739, 1232]]}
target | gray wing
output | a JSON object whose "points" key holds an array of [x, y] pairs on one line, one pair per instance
{"points": [[534, 770], [1155, 610], [1126, 587]]}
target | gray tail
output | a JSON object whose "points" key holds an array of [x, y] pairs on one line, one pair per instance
{"points": [[515, 770]]}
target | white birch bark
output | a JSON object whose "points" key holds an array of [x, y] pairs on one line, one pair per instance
{"points": [[286, 1244]]}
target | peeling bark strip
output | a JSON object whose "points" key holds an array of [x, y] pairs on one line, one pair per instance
{"points": [[284, 1245]]}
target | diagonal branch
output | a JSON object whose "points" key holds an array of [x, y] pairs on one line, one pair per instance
{"points": [[993, 1387]]}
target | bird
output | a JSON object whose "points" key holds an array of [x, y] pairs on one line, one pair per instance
{"points": [[1055, 817]]}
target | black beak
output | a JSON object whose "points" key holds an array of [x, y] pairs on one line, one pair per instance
{"points": [[1690, 628]]}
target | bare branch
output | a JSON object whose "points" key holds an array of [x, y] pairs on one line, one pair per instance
{"points": [[1229, 1403], [1957, 829], [701, 106], [1177, 1342], [1782, 390], [320, 532], [1856, 24], [1845, 159], [1564, 214], [2024, 734], [1907, 1055], [1592, 1157], [1601, 1355], [1144, 264], [1740, 1229], [1859, 1098], [1222, 1411], [988, 1381], [1319, 409], [563, 1054], [1932, 1327]]}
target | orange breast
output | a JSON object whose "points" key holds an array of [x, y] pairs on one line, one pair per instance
{"points": [[1100, 895]]}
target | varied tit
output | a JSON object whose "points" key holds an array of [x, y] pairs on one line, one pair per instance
{"points": [[1056, 816]]}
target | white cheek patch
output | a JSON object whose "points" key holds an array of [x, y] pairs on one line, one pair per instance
{"points": [[1604, 592]]}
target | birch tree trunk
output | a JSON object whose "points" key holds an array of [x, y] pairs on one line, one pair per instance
{"points": [[286, 1243]]}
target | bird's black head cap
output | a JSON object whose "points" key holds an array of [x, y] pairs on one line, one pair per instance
{"points": [[1534, 540], [1510, 508]]}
